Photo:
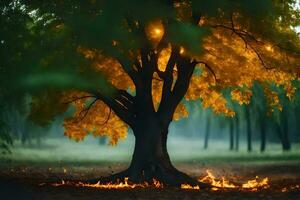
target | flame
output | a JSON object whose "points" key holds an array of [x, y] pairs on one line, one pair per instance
{"points": [[255, 184], [157, 184], [291, 188], [252, 185], [189, 187], [210, 178], [121, 185]]}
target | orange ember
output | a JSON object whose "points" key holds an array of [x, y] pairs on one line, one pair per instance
{"points": [[253, 185], [210, 178], [121, 185], [291, 188], [189, 187]]}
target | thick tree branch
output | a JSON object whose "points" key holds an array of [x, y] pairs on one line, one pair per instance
{"points": [[118, 105], [185, 71], [128, 67], [118, 109], [144, 99], [168, 78], [126, 100]]}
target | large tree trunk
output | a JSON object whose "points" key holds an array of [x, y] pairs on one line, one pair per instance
{"points": [[150, 125], [151, 160]]}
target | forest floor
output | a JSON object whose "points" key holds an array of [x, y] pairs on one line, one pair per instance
{"points": [[29, 173], [36, 182]]}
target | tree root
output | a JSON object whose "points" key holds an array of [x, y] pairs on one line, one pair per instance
{"points": [[168, 177]]}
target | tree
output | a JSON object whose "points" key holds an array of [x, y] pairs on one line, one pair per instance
{"points": [[5, 139], [137, 60], [231, 135], [248, 128], [207, 130]]}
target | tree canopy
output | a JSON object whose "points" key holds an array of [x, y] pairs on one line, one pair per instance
{"points": [[99, 55]]}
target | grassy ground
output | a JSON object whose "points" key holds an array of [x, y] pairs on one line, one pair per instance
{"points": [[180, 149], [27, 167]]}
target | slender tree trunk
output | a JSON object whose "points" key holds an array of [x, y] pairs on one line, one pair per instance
{"points": [[248, 127], [237, 133], [231, 136], [207, 133], [286, 146], [262, 136], [102, 140], [282, 131]]}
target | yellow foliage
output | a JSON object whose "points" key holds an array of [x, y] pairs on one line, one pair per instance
{"points": [[180, 112], [273, 99], [231, 63], [99, 121], [242, 97]]}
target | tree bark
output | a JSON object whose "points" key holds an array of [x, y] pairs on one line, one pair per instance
{"points": [[151, 160]]}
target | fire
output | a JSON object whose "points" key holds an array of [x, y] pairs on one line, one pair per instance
{"points": [[223, 183], [217, 184], [251, 185], [254, 184], [157, 184], [291, 188], [189, 187], [121, 185]]}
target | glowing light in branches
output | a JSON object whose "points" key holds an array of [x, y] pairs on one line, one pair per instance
{"points": [[155, 31]]}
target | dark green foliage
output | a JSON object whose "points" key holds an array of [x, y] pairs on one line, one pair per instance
{"points": [[5, 138], [40, 38]]}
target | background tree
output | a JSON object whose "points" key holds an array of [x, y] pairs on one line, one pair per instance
{"points": [[207, 130], [131, 63]]}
